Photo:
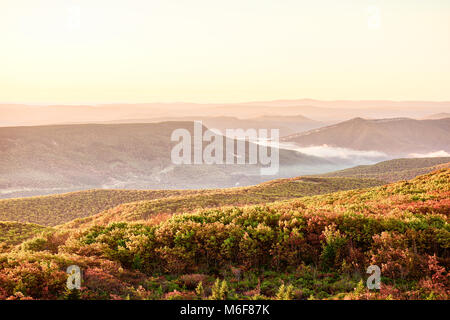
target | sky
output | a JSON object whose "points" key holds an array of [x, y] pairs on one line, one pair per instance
{"points": [[105, 51]]}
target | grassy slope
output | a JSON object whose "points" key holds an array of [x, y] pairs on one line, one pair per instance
{"points": [[280, 189], [314, 244], [394, 170], [14, 233], [58, 209]]}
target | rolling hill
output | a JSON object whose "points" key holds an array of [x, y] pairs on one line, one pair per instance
{"points": [[53, 210], [396, 137], [394, 170], [264, 193], [315, 247], [101, 206]]}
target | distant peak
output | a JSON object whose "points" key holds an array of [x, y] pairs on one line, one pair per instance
{"points": [[357, 119]]}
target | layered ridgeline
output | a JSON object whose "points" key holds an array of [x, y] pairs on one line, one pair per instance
{"points": [[314, 247], [395, 137], [54, 159], [285, 124], [18, 115], [53, 210]]}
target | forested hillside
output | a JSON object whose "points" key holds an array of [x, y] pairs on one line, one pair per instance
{"points": [[57, 209], [315, 247]]}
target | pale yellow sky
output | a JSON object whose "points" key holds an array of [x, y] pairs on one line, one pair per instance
{"points": [[101, 51]]}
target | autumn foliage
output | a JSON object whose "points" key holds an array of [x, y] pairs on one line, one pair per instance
{"points": [[312, 247]]}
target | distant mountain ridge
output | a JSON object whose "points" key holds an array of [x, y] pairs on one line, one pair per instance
{"points": [[285, 124], [397, 136], [441, 115], [334, 111], [54, 159]]}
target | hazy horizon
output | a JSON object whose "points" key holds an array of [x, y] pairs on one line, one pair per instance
{"points": [[244, 102]]}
